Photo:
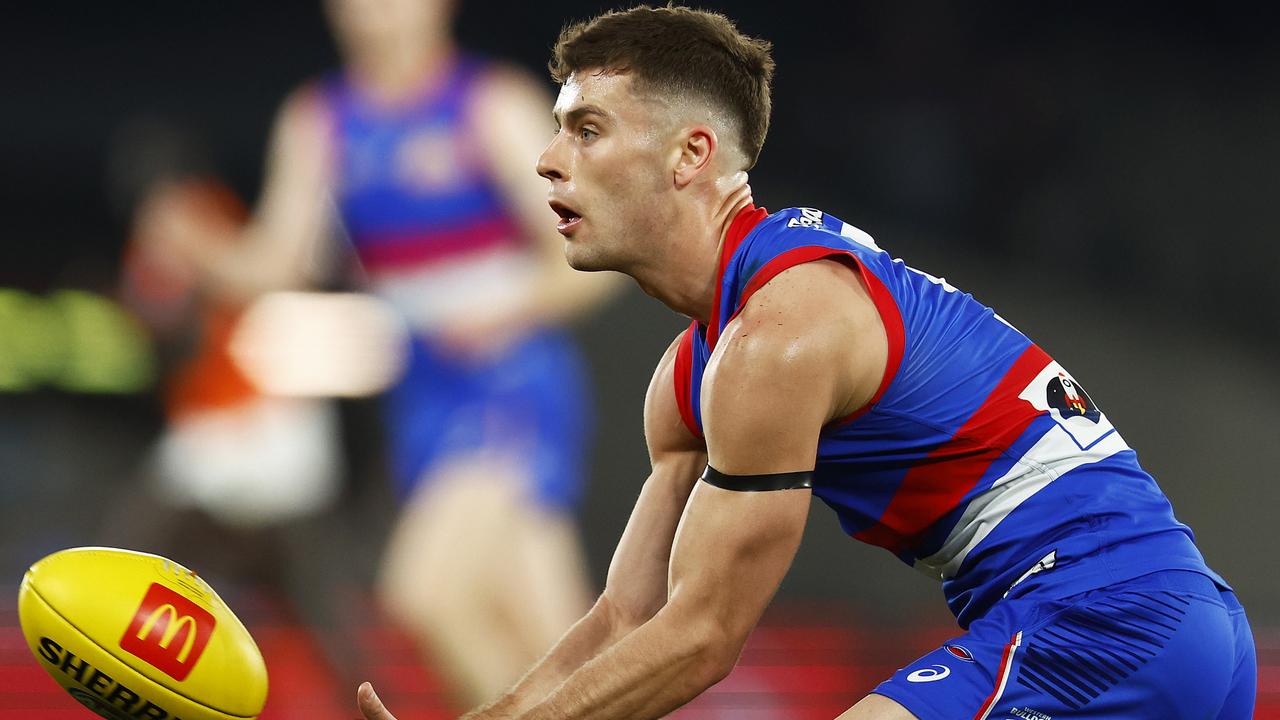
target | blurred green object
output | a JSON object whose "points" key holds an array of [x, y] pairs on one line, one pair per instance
{"points": [[31, 341], [73, 340]]}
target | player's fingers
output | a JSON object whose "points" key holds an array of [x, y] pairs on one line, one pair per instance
{"points": [[370, 705]]}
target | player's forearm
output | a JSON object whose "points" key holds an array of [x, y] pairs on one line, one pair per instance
{"points": [[561, 294], [660, 666], [595, 632], [244, 267]]}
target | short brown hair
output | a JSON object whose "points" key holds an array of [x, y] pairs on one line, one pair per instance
{"points": [[677, 50]]}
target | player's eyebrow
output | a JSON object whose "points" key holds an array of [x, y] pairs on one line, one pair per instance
{"points": [[577, 114]]}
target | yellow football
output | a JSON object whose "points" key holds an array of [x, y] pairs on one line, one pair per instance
{"points": [[134, 636]]}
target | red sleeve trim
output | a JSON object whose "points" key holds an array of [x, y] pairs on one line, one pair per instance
{"points": [[743, 223], [886, 306], [684, 379]]}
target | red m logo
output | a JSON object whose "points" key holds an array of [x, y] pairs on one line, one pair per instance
{"points": [[169, 632]]}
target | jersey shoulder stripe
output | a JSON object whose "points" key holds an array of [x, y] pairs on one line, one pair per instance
{"points": [[684, 380], [979, 455], [931, 488]]}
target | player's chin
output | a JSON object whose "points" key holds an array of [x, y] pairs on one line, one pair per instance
{"points": [[583, 257], [579, 261]]}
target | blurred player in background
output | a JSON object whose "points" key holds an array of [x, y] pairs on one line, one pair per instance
{"points": [[423, 152], [816, 364], [241, 457], [239, 479], [229, 453]]}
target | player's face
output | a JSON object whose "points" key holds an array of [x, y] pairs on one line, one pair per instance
{"points": [[607, 165], [365, 23]]}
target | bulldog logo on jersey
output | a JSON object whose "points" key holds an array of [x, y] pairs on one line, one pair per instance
{"points": [[1070, 399], [1055, 392]]}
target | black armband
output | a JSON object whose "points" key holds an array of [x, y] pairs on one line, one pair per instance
{"points": [[758, 483]]}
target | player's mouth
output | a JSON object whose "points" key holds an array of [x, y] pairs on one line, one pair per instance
{"points": [[569, 218]]}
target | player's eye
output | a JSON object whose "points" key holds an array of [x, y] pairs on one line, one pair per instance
{"points": [[587, 133]]}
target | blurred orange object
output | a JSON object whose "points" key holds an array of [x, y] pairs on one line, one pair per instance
{"points": [[163, 292], [211, 379]]}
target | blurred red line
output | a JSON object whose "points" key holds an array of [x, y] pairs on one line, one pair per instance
{"points": [[25, 678], [1267, 637], [11, 638], [754, 656], [42, 701], [790, 670], [759, 712], [792, 679], [408, 679], [1269, 680], [803, 637]]}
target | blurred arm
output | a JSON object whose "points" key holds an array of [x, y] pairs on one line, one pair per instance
{"points": [[637, 582], [274, 249], [511, 116]]}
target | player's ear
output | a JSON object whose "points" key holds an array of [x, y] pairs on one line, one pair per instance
{"points": [[697, 146]]}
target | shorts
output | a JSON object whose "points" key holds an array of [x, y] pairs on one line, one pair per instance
{"points": [[1171, 644], [530, 402]]}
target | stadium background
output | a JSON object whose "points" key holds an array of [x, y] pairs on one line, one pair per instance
{"points": [[1105, 177]]}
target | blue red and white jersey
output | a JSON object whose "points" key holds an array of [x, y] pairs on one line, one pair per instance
{"points": [[438, 241], [979, 460], [412, 188]]}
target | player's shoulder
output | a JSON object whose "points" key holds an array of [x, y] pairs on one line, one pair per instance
{"points": [[320, 89], [805, 225], [799, 254], [305, 118], [664, 372], [796, 288], [311, 101], [498, 83], [668, 426], [503, 74], [504, 100], [799, 220]]}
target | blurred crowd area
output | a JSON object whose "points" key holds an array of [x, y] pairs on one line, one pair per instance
{"points": [[1105, 176]]}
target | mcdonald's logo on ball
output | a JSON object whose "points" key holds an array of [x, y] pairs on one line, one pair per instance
{"points": [[168, 632], [135, 636]]}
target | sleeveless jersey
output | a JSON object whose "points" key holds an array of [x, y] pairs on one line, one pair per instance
{"points": [[435, 236], [412, 190], [979, 460]]}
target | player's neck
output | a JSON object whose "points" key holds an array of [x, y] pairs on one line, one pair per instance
{"points": [[391, 71], [684, 277]]}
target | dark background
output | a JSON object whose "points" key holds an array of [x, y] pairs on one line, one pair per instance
{"points": [[1105, 177]]}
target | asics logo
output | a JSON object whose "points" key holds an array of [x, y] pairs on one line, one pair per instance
{"points": [[929, 674]]}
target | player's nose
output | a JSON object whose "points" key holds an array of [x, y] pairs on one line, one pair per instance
{"points": [[551, 163]]}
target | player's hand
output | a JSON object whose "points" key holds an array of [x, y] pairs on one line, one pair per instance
{"points": [[370, 706], [474, 340], [160, 224], [178, 225], [482, 334]]}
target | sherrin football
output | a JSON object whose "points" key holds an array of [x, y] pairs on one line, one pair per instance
{"points": [[134, 636]]}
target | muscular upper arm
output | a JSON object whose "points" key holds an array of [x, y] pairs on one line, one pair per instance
{"points": [[808, 348], [784, 367], [637, 582]]}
